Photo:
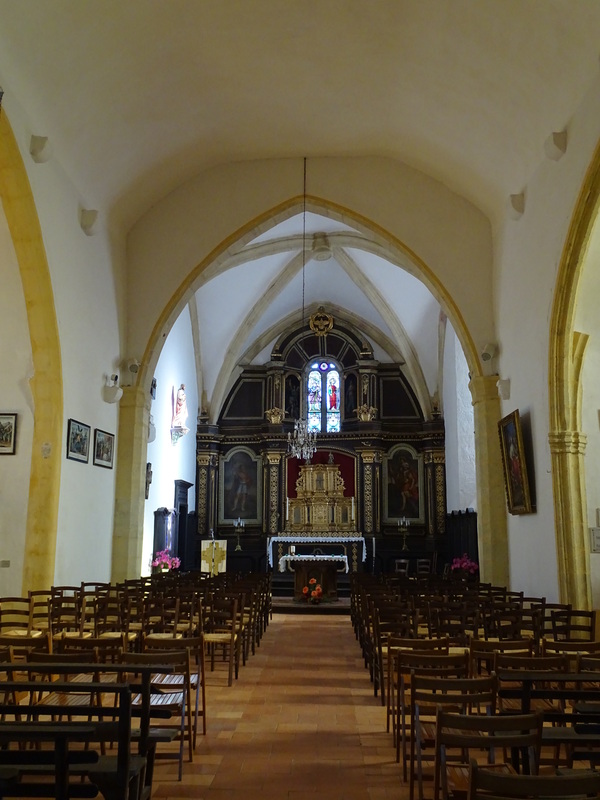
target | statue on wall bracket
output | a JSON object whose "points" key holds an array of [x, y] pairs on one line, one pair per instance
{"points": [[180, 414]]}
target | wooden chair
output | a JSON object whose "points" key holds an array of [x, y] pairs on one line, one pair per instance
{"points": [[423, 566], [408, 665], [427, 695], [482, 652], [221, 630], [194, 675], [167, 703], [39, 600], [15, 616], [458, 736], [573, 624], [513, 664], [573, 649], [485, 784], [396, 646], [402, 566]]}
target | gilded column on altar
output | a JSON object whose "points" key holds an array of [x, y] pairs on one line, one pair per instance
{"points": [[273, 463], [491, 497]]}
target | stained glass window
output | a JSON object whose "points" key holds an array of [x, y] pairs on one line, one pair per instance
{"points": [[323, 397]]}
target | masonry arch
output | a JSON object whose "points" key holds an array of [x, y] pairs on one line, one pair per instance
{"points": [[240, 248], [567, 440]]}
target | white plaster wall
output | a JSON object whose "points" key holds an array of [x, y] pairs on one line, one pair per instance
{"points": [[527, 256], [176, 365], [461, 489], [86, 302], [15, 397], [451, 236]]}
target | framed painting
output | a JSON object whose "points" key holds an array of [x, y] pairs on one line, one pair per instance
{"points": [[8, 434], [240, 487], [516, 480], [104, 447], [78, 441], [404, 496]]}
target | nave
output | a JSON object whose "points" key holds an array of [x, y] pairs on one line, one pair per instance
{"points": [[300, 722]]}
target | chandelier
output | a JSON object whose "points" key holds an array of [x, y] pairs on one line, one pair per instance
{"points": [[302, 443]]}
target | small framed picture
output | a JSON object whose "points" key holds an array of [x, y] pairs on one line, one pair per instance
{"points": [[78, 441], [104, 448], [8, 434]]}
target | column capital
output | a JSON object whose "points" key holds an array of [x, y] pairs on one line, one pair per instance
{"points": [[573, 442], [483, 388]]}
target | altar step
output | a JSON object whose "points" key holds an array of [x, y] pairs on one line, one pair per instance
{"points": [[282, 585], [287, 605]]}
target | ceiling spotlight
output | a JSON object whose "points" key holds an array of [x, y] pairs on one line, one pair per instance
{"points": [[489, 351], [112, 391]]}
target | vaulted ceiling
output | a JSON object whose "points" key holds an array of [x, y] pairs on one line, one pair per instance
{"points": [[137, 97]]}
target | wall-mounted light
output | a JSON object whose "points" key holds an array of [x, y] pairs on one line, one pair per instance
{"points": [[151, 429], [112, 391], [503, 385], [489, 351]]}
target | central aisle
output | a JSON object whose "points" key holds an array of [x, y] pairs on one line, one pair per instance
{"points": [[300, 723]]}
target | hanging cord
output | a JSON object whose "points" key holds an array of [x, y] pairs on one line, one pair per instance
{"points": [[303, 237]]}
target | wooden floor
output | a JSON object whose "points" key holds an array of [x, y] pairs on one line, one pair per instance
{"points": [[300, 722]]}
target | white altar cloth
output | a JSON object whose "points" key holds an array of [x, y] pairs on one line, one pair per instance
{"points": [[314, 540], [285, 560]]}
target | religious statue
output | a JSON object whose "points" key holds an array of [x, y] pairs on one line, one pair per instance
{"points": [[180, 415]]}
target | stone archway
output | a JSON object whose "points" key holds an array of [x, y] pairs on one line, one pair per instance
{"points": [[567, 441], [46, 383], [134, 411]]}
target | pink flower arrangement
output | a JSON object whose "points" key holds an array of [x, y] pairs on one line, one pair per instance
{"points": [[164, 560], [464, 564]]}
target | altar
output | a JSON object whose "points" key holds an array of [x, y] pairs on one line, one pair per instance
{"points": [[314, 573]]}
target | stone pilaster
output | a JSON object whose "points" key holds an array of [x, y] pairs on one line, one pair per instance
{"points": [[491, 497]]}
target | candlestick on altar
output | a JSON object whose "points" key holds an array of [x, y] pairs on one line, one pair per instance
{"points": [[352, 509]]}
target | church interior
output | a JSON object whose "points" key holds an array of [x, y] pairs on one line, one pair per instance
{"points": [[306, 291], [417, 233]]}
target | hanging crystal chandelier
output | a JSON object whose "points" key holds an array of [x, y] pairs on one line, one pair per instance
{"points": [[302, 443]]}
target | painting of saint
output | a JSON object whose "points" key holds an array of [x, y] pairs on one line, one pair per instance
{"points": [[240, 487], [403, 489]]}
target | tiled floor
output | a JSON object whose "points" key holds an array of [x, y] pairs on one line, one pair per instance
{"points": [[300, 722]]}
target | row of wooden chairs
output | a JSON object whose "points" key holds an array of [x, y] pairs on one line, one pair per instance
{"points": [[383, 608]]}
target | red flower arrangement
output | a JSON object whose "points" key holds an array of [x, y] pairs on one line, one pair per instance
{"points": [[313, 592]]}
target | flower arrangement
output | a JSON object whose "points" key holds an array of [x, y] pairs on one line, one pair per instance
{"points": [[164, 561], [464, 565], [313, 592]]}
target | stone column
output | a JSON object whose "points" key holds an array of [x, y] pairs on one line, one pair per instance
{"points": [[128, 531], [567, 449], [491, 497]]}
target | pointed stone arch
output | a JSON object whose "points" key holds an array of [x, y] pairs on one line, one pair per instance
{"points": [[46, 383], [567, 442], [134, 410]]}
